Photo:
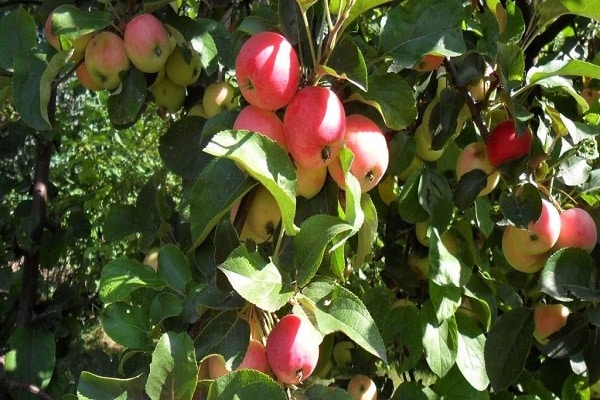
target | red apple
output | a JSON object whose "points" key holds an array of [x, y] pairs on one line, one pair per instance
{"points": [[474, 156], [518, 258], [429, 63], [105, 58], [292, 349], [369, 146], [263, 121], [541, 235], [361, 387], [503, 144], [577, 229], [83, 75], [548, 319], [313, 124], [268, 70], [146, 42], [255, 358]]}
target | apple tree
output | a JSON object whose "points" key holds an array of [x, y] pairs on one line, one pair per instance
{"points": [[352, 199]]}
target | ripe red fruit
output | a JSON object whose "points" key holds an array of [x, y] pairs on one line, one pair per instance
{"points": [[503, 144], [313, 124], [292, 349], [267, 70], [369, 146], [105, 58], [263, 121], [146, 42], [577, 229]]}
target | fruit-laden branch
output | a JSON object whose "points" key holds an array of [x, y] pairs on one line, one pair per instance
{"points": [[473, 108]]}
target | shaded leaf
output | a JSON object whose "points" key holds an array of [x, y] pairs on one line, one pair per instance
{"points": [[347, 62], [570, 274], [127, 325], [17, 36], [120, 277], [174, 267], [246, 384], [124, 108], [96, 387], [522, 206]]}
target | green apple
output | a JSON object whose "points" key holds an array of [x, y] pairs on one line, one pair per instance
{"points": [[167, 94], [184, 65], [218, 96]]}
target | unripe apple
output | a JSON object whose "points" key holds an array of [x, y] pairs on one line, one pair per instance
{"points": [[255, 358], [313, 124], [151, 258], [361, 387], [518, 258], [421, 234], [414, 165], [369, 146], [267, 70], [262, 121], [147, 43], [292, 349], [217, 97], [342, 352], [310, 181], [503, 144], [106, 58], [429, 62], [263, 217], [167, 94], [197, 110], [419, 266], [387, 189], [577, 229], [541, 235], [184, 70], [548, 319], [83, 75], [52, 39], [474, 156], [423, 136]]}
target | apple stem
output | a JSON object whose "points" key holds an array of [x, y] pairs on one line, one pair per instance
{"points": [[313, 54]]}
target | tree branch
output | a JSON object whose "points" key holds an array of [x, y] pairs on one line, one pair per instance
{"points": [[11, 385]]}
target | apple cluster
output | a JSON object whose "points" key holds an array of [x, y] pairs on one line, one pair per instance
{"points": [[144, 43], [309, 123]]}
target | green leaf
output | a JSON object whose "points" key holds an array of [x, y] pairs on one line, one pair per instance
{"points": [[354, 214], [320, 392], [120, 277], [226, 334], [29, 98], [56, 64], [570, 340], [553, 9], [420, 27], [445, 300], [124, 108], [72, 22], [256, 280], [124, 220], [333, 308], [358, 8], [522, 206], [402, 325], [570, 274], [163, 306], [31, 359], [310, 248], [470, 356], [174, 267], [483, 213], [266, 161], [563, 68], [347, 62], [367, 232], [392, 97], [127, 325], [440, 340], [173, 370], [511, 61], [469, 187], [17, 36], [444, 268], [414, 391], [181, 146], [96, 387], [435, 197], [409, 207], [213, 194], [246, 384], [454, 385], [507, 346]]}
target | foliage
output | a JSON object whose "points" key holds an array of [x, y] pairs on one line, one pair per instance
{"points": [[140, 208]]}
